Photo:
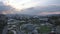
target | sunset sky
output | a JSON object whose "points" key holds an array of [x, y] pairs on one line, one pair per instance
{"points": [[33, 7]]}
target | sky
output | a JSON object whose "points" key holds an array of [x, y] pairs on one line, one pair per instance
{"points": [[32, 7]]}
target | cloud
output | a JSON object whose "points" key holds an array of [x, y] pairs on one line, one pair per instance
{"points": [[51, 9], [47, 13], [44, 7], [4, 9], [23, 4]]}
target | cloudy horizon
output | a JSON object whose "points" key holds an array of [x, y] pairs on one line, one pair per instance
{"points": [[32, 7]]}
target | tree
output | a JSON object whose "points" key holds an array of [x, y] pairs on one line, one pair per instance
{"points": [[3, 22], [35, 21], [55, 21], [10, 32]]}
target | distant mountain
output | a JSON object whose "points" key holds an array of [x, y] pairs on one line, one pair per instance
{"points": [[58, 15]]}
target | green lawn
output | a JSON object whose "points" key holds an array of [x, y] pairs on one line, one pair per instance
{"points": [[44, 29]]}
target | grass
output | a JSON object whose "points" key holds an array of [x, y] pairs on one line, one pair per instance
{"points": [[44, 29]]}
